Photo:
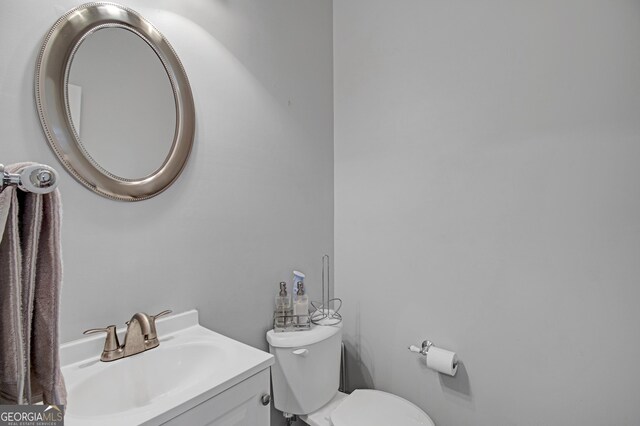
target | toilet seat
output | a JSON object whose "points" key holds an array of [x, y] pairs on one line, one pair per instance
{"points": [[377, 408]]}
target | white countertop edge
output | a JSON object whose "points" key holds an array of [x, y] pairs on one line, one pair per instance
{"points": [[197, 400]]}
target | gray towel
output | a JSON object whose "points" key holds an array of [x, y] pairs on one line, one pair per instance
{"points": [[30, 284]]}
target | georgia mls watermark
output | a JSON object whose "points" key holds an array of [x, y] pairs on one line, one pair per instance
{"points": [[31, 415]]}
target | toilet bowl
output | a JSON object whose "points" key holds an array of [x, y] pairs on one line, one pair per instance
{"points": [[305, 380], [368, 408]]}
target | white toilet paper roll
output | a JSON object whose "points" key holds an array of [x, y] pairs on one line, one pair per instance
{"points": [[442, 360]]}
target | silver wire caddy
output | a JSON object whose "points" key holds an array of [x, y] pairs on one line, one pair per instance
{"points": [[321, 315], [289, 322]]}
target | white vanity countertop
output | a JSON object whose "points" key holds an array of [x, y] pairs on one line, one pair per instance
{"points": [[191, 365]]}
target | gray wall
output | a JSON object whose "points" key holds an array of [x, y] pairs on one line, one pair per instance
{"points": [[486, 198], [256, 199]]}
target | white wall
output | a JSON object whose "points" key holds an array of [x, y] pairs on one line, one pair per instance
{"points": [[486, 198], [256, 199]]}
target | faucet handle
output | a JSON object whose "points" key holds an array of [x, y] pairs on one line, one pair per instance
{"points": [[152, 322], [161, 314], [111, 343]]}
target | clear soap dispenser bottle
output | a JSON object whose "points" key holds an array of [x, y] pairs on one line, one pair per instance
{"points": [[284, 311], [301, 305]]}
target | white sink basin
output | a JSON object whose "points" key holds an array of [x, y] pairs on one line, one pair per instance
{"points": [[191, 365]]}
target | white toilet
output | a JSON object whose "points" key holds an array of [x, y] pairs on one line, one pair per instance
{"points": [[305, 380]]}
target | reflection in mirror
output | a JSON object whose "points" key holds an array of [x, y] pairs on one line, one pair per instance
{"points": [[121, 103]]}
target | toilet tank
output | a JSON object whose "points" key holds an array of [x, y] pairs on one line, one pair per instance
{"points": [[306, 373]]}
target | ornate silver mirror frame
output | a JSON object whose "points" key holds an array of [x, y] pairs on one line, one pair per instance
{"points": [[52, 71]]}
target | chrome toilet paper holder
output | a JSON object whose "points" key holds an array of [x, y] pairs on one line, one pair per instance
{"points": [[447, 365], [426, 345]]}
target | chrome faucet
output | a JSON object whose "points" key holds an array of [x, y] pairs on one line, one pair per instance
{"points": [[141, 336]]}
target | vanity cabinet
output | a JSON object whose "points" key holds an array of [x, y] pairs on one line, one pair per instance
{"points": [[240, 405]]}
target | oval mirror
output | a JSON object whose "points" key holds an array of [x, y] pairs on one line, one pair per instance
{"points": [[114, 102]]}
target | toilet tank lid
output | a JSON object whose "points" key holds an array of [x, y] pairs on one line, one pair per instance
{"points": [[292, 339]]}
